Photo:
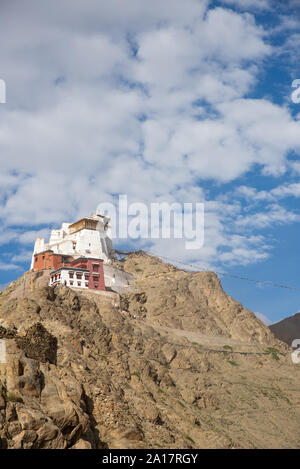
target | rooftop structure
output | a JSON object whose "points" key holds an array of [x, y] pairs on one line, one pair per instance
{"points": [[88, 237]]}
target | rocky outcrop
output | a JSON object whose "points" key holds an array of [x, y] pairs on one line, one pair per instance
{"points": [[175, 364], [39, 344], [191, 301], [39, 408]]}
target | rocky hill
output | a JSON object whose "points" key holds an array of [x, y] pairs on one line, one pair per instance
{"points": [[288, 329], [173, 363]]}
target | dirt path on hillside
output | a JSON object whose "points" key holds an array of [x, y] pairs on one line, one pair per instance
{"points": [[205, 340]]}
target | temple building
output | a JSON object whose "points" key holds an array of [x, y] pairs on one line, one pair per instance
{"points": [[89, 237], [80, 255]]}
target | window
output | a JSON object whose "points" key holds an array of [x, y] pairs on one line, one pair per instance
{"points": [[71, 274], [79, 284], [87, 284], [95, 279], [95, 267], [36, 259], [78, 275], [71, 282], [96, 285]]}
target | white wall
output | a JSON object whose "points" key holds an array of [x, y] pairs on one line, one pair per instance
{"points": [[116, 278], [88, 242], [65, 277]]}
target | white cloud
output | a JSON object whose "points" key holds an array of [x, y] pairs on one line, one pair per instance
{"points": [[29, 236], [274, 215], [264, 318], [286, 190], [22, 256], [4, 266], [146, 100], [250, 193], [275, 194], [245, 4]]}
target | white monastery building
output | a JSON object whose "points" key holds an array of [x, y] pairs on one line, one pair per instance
{"points": [[80, 255], [89, 237]]}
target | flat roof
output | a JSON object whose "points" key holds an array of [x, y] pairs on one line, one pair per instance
{"points": [[69, 268], [87, 259], [54, 253], [82, 219], [43, 252]]}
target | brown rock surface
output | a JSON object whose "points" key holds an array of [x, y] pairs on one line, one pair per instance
{"points": [[288, 329], [178, 364]]}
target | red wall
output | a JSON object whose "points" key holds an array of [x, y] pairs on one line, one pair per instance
{"points": [[96, 282], [48, 260]]}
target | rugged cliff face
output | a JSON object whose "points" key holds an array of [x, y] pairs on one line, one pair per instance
{"points": [[176, 363], [190, 301]]}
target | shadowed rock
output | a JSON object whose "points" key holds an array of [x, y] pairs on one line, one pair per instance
{"points": [[39, 344]]}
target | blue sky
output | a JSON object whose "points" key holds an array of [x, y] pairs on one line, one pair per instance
{"points": [[163, 101]]}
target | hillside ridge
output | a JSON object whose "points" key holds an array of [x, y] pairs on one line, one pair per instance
{"points": [[174, 363]]}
